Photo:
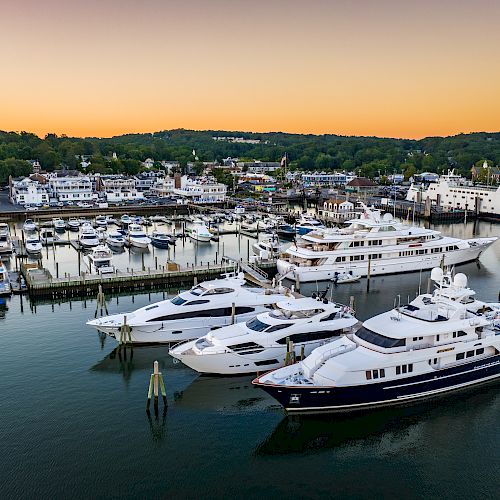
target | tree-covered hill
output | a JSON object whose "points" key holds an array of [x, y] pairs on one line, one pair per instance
{"points": [[367, 155]]}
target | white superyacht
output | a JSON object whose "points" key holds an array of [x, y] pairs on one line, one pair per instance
{"points": [[389, 245]]}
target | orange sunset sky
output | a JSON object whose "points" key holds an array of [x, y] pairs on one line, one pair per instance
{"points": [[356, 67]]}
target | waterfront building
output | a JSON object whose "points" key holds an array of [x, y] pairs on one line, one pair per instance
{"points": [[118, 188], [28, 191], [71, 188], [338, 209], [145, 181], [163, 187], [259, 167], [454, 192], [362, 185], [317, 179], [201, 190]]}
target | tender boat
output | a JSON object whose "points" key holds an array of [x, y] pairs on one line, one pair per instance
{"points": [[268, 248], [115, 239], [29, 226], [437, 343], [388, 244], [349, 277], [160, 240], [73, 224], [261, 343], [5, 241], [99, 260], [193, 313], [87, 237], [137, 237], [48, 236], [199, 232], [59, 225], [5, 288], [33, 244]]}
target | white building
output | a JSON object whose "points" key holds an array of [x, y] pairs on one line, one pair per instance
{"points": [[452, 192], [71, 188], [338, 209], [118, 189], [259, 167], [327, 179], [164, 187], [146, 180], [148, 163], [28, 192], [201, 190]]}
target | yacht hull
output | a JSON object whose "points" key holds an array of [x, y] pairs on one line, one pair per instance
{"points": [[315, 399], [384, 266]]}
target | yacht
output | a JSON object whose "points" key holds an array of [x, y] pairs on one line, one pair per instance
{"points": [[268, 248], [5, 241], [29, 226], [160, 240], [200, 232], [435, 344], [73, 224], [115, 239], [33, 244], [137, 237], [193, 313], [59, 225], [5, 288], [261, 343], [87, 237], [99, 260], [101, 221], [286, 231], [125, 220], [379, 241], [48, 236], [306, 224]]}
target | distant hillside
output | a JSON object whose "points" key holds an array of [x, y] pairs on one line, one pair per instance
{"points": [[366, 155]]}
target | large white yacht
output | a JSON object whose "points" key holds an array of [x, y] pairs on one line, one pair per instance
{"points": [[388, 244], [5, 241], [87, 236], [193, 313], [100, 260], [435, 344], [261, 343]]}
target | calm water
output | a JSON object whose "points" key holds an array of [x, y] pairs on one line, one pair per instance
{"points": [[74, 422]]}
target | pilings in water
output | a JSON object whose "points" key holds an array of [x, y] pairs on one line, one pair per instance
{"points": [[155, 382], [100, 302], [125, 333]]}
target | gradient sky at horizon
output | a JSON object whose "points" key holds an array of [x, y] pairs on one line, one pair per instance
{"points": [[351, 67]]}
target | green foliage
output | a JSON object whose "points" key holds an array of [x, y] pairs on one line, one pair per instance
{"points": [[13, 167], [223, 176]]}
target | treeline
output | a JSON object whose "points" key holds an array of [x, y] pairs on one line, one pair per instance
{"points": [[368, 156]]}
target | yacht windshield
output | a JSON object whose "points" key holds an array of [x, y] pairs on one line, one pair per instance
{"points": [[377, 339], [178, 301], [198, 290], [257, 325]]}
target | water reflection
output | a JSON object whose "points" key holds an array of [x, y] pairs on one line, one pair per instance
{"points": [[390, 430]]}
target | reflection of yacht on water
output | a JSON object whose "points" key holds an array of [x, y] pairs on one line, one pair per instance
{"points": [[389, 245], [437, 343], [261, 343], [193, 313]]}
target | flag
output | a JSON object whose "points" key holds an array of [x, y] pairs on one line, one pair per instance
{"points": [[194, 152]]}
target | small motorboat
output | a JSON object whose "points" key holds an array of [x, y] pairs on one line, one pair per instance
{"points": [[101, 221], [48, 236], [200, 232], [73, 224], [115, 240], [268, 248], [88, 237], [33, 245], [5, 288], [125, 220], [99, 261], [137, 237], [5, 240], [160, 240], [349, 277], [29, 226], [59, 225]]}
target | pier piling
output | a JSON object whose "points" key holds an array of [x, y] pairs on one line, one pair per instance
{"points": [[155, 383]]}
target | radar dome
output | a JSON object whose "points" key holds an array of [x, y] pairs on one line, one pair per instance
{"points": [[387, 217], [460, 280], [436, 274]]}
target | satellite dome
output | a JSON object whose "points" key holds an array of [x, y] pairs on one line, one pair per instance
{"points": [[436, 274], [460, 280], [387, 217]]}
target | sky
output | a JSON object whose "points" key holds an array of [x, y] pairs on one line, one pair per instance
{"points": [[392, 68]]}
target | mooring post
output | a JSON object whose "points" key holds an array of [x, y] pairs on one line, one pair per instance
{"points": [[368, 273], [233, 312]]}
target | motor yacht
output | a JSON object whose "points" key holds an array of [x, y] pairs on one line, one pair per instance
{"points": [[33, 244], [306, 224], [59, 225], [160, 240], [48, 236], [99, 260], [193, 313], [268, 248], [439, 342], [5, 240], [29, 226], [137, 237], [5, 288], [115, 239], [73, 224], [389, 245], [260, 344], [199, 232], [101, 221], [126, 220], [87, 237]]}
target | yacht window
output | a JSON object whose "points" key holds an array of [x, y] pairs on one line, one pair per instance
{"points": [[178, 300], [266, 362], [196, 302], [256, 325], [470, 354], [479, 351], [246, 347], [275, 328], [377, 339], [300, 338], [460, 355], [219, 291], [368, 375], [198, 290], [330, 317]]}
